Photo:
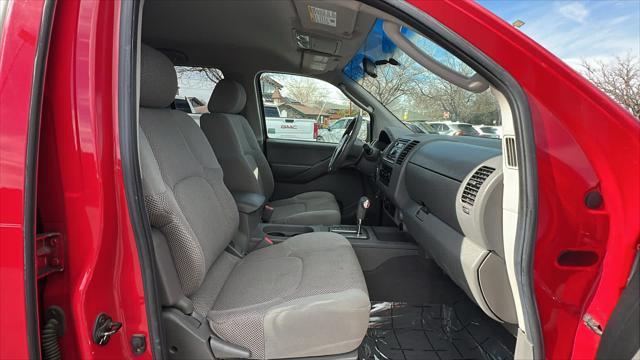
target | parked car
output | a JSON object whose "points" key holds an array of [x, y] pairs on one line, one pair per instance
{"points": [[420, 127], [334, 131], [454, 128], [288, 128], [492, 132]]}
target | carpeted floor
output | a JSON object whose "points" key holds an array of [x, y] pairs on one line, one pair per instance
{"points": [[419, 313]]}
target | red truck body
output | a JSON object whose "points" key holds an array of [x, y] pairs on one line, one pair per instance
{"points": [[584, 142]]}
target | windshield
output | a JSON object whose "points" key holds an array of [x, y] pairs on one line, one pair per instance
{"points": [[414, 94], [467, 128], [489, 130]]}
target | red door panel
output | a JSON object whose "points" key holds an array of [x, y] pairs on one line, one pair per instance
{"points": [[81, 192], [584, 142], [18, 44]]}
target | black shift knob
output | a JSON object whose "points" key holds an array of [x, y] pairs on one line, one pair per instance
{"points": [[363, 205]]}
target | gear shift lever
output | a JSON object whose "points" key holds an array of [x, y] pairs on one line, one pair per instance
{"points": [[363, 205]]}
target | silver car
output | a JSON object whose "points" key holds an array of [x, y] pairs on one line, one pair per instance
{"points": [[454, 128], [333, 133]]}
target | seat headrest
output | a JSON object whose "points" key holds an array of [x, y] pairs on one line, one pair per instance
{"points": [[228, 97], [158, 80]]}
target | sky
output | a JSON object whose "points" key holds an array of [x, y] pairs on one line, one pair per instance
{"points": [[576, 30]]}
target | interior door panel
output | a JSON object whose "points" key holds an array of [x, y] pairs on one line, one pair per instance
{"points": [[301, 166], [295, 161]]}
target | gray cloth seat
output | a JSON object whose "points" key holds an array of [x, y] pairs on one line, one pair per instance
{"points": [[314, 207], [307, 283], [303, 297], [245, 166]]}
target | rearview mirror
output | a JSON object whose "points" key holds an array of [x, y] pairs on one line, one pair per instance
{"points": [[369, 67]]}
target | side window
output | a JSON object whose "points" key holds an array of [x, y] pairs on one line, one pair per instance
{"points": [[195, 85], [303, 108]]}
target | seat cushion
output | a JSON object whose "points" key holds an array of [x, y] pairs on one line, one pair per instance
{"points": [[310, 208], [303, 297]]}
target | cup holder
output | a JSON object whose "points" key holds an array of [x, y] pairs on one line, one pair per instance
{"points": [[276, 233], [285, 231]]}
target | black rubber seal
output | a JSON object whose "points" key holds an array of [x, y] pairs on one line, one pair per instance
{"points": [[30, 184], [130, 17]]}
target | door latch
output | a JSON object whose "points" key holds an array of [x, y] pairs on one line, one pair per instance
{"points": [[592, 324], [104, 328]]}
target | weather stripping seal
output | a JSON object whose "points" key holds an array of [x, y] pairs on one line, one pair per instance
{"points": [[30, 184], [502, 80], [130, 15]]}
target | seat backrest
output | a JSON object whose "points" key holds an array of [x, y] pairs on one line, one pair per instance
{"points": [[185, 195], [245, 167]]}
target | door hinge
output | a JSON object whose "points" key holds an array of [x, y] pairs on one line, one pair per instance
{"points": [[49, 253], [592, 324]]}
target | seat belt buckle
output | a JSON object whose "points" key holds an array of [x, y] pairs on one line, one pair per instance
{"points": [[268, 240], [233, 251], [267, 211]]}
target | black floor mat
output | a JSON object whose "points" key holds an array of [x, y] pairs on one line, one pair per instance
{"points": [[427, 317]]}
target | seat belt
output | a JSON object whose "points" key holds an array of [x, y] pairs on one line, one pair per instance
{"points": [[267, 212]]}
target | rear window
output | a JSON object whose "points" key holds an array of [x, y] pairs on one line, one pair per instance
{"points": [[468, 129], [271, 111], [196, 84], [182, 105]]}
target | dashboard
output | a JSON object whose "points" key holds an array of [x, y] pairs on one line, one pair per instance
{"points": [[447, 193]]}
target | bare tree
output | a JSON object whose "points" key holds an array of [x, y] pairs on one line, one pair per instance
{"points": [[394, 82], [305, 90], [198, 73], [434, 97], [620, 79]]}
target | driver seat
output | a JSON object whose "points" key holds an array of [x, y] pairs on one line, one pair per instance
{"points": [[246, 168]]}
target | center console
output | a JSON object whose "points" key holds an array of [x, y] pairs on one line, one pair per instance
{"points": [[281, 232], [373, 246]]}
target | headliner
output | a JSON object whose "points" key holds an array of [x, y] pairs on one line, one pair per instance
{"points": [[250, 36]]}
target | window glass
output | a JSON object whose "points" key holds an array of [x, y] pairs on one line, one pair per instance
{"points": [[303, 108], [598, 39], [195, 85], [417, 96]]}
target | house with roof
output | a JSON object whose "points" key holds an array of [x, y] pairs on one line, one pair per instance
{"points": [[270, 87], [301, 111]]}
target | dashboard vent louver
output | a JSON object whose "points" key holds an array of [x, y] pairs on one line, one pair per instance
{"points": [[510, 151], [405, 151], [475, 182]]}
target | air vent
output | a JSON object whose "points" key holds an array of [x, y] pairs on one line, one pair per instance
{"points": [[475, 182], [405, 151], [510, 151]]}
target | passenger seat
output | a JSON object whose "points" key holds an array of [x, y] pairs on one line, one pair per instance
{"points": [[303, 297], [245, 166]]}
